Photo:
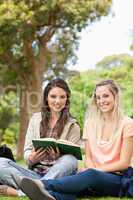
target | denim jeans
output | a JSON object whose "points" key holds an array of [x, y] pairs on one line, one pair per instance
{"points": [[64, 166], [101, 183]]}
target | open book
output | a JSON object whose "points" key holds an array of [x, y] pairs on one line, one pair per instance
{"points": [[65, 146]]}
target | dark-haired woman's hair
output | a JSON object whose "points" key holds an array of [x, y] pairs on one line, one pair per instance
{"points": [[45, 111]]}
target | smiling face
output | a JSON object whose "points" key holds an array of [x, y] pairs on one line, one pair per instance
{"points": [[104, 99], [57, 98]]}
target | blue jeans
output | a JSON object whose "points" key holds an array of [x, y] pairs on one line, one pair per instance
{"points": [[65, 165], [89, 182]]}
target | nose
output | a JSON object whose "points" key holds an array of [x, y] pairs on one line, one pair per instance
{"points": [[101, 100], [57, 100]]}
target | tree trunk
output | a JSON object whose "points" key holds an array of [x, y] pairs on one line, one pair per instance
{"points": [[1, 136], [24, 118], [30, 97], [30, 102]]}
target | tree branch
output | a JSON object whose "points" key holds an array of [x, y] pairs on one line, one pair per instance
{"points": [[14, 65]]}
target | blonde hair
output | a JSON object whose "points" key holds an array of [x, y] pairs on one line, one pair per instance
{"points": [[94, 117]]}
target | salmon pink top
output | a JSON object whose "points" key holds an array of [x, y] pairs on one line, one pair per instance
{"points": [[102, 152]]}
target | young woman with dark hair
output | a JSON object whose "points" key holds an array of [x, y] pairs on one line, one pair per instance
{"points": [[53, 121]]}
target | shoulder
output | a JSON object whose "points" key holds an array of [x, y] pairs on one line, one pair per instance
{"points": [[36, 116], [71, 131], [72, 120], [127, 121], [127, 126], [72, 125]]}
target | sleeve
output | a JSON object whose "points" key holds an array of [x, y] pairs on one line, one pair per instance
{"points": [[31, 133], [74, 133], [128, 129]]}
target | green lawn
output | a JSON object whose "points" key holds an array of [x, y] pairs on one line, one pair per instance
{"points": [[92, 198]]}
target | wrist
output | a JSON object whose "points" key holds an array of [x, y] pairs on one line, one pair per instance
{"points": [[30, 162]]}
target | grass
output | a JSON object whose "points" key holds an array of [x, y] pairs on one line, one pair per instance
{"points": [[92, 198]]}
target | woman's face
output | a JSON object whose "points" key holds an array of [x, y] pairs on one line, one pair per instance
{"points": [[57, 98], [104, 99]]}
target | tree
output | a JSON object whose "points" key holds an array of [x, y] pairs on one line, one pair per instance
{"points": [[112, 61], [27, 28], [120, 68], [8, 114], [83, 85]]}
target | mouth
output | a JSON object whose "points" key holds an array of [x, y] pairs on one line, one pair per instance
{"points": [[57, 107], [104, 106]]}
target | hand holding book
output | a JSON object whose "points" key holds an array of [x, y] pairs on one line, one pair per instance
{"points": [[64, 146], [54, 153], [37, 155]]}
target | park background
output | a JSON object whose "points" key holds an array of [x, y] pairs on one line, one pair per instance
{"points": [[37, 43], [40, 40]]}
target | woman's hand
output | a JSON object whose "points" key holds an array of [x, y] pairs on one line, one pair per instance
{"points": [[37, 156], [54, 154]]}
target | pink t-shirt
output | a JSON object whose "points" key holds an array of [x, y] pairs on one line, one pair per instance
{"points": [[108, 151]]}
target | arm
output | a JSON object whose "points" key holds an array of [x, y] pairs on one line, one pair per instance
{"points": [[71, 133], [125, 157], [88, 161], [33, 132], [28, 146]]}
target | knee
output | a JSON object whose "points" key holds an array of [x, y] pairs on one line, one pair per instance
{"points": [[69, 160], [95, 176], [94, 172]]}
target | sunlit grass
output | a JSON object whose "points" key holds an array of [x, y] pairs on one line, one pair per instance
{"points": [[92, 198]]}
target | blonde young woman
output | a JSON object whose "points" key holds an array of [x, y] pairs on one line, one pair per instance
{"points": [[108, 136]]}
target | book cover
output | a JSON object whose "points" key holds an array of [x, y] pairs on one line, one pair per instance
{"points": [[65, 147]]}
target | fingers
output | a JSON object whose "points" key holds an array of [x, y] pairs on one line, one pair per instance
{"points": [[41, 153], [57, 150], [54, 153], [50, 150], [38, 155]]}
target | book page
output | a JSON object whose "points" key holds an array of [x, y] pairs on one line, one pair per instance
{"points": [[46, 139], [61, 141]]}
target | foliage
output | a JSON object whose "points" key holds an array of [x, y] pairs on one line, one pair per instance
{"points": [[8, 118], [32, 31], [83, 85], [36, 35], [109, 62], [123, 74], [31, 20], [11, 133]]}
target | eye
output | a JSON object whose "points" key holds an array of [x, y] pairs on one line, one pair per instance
{"points": [[105, 95], [53, 96], [97, 97], [63, 97]]}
